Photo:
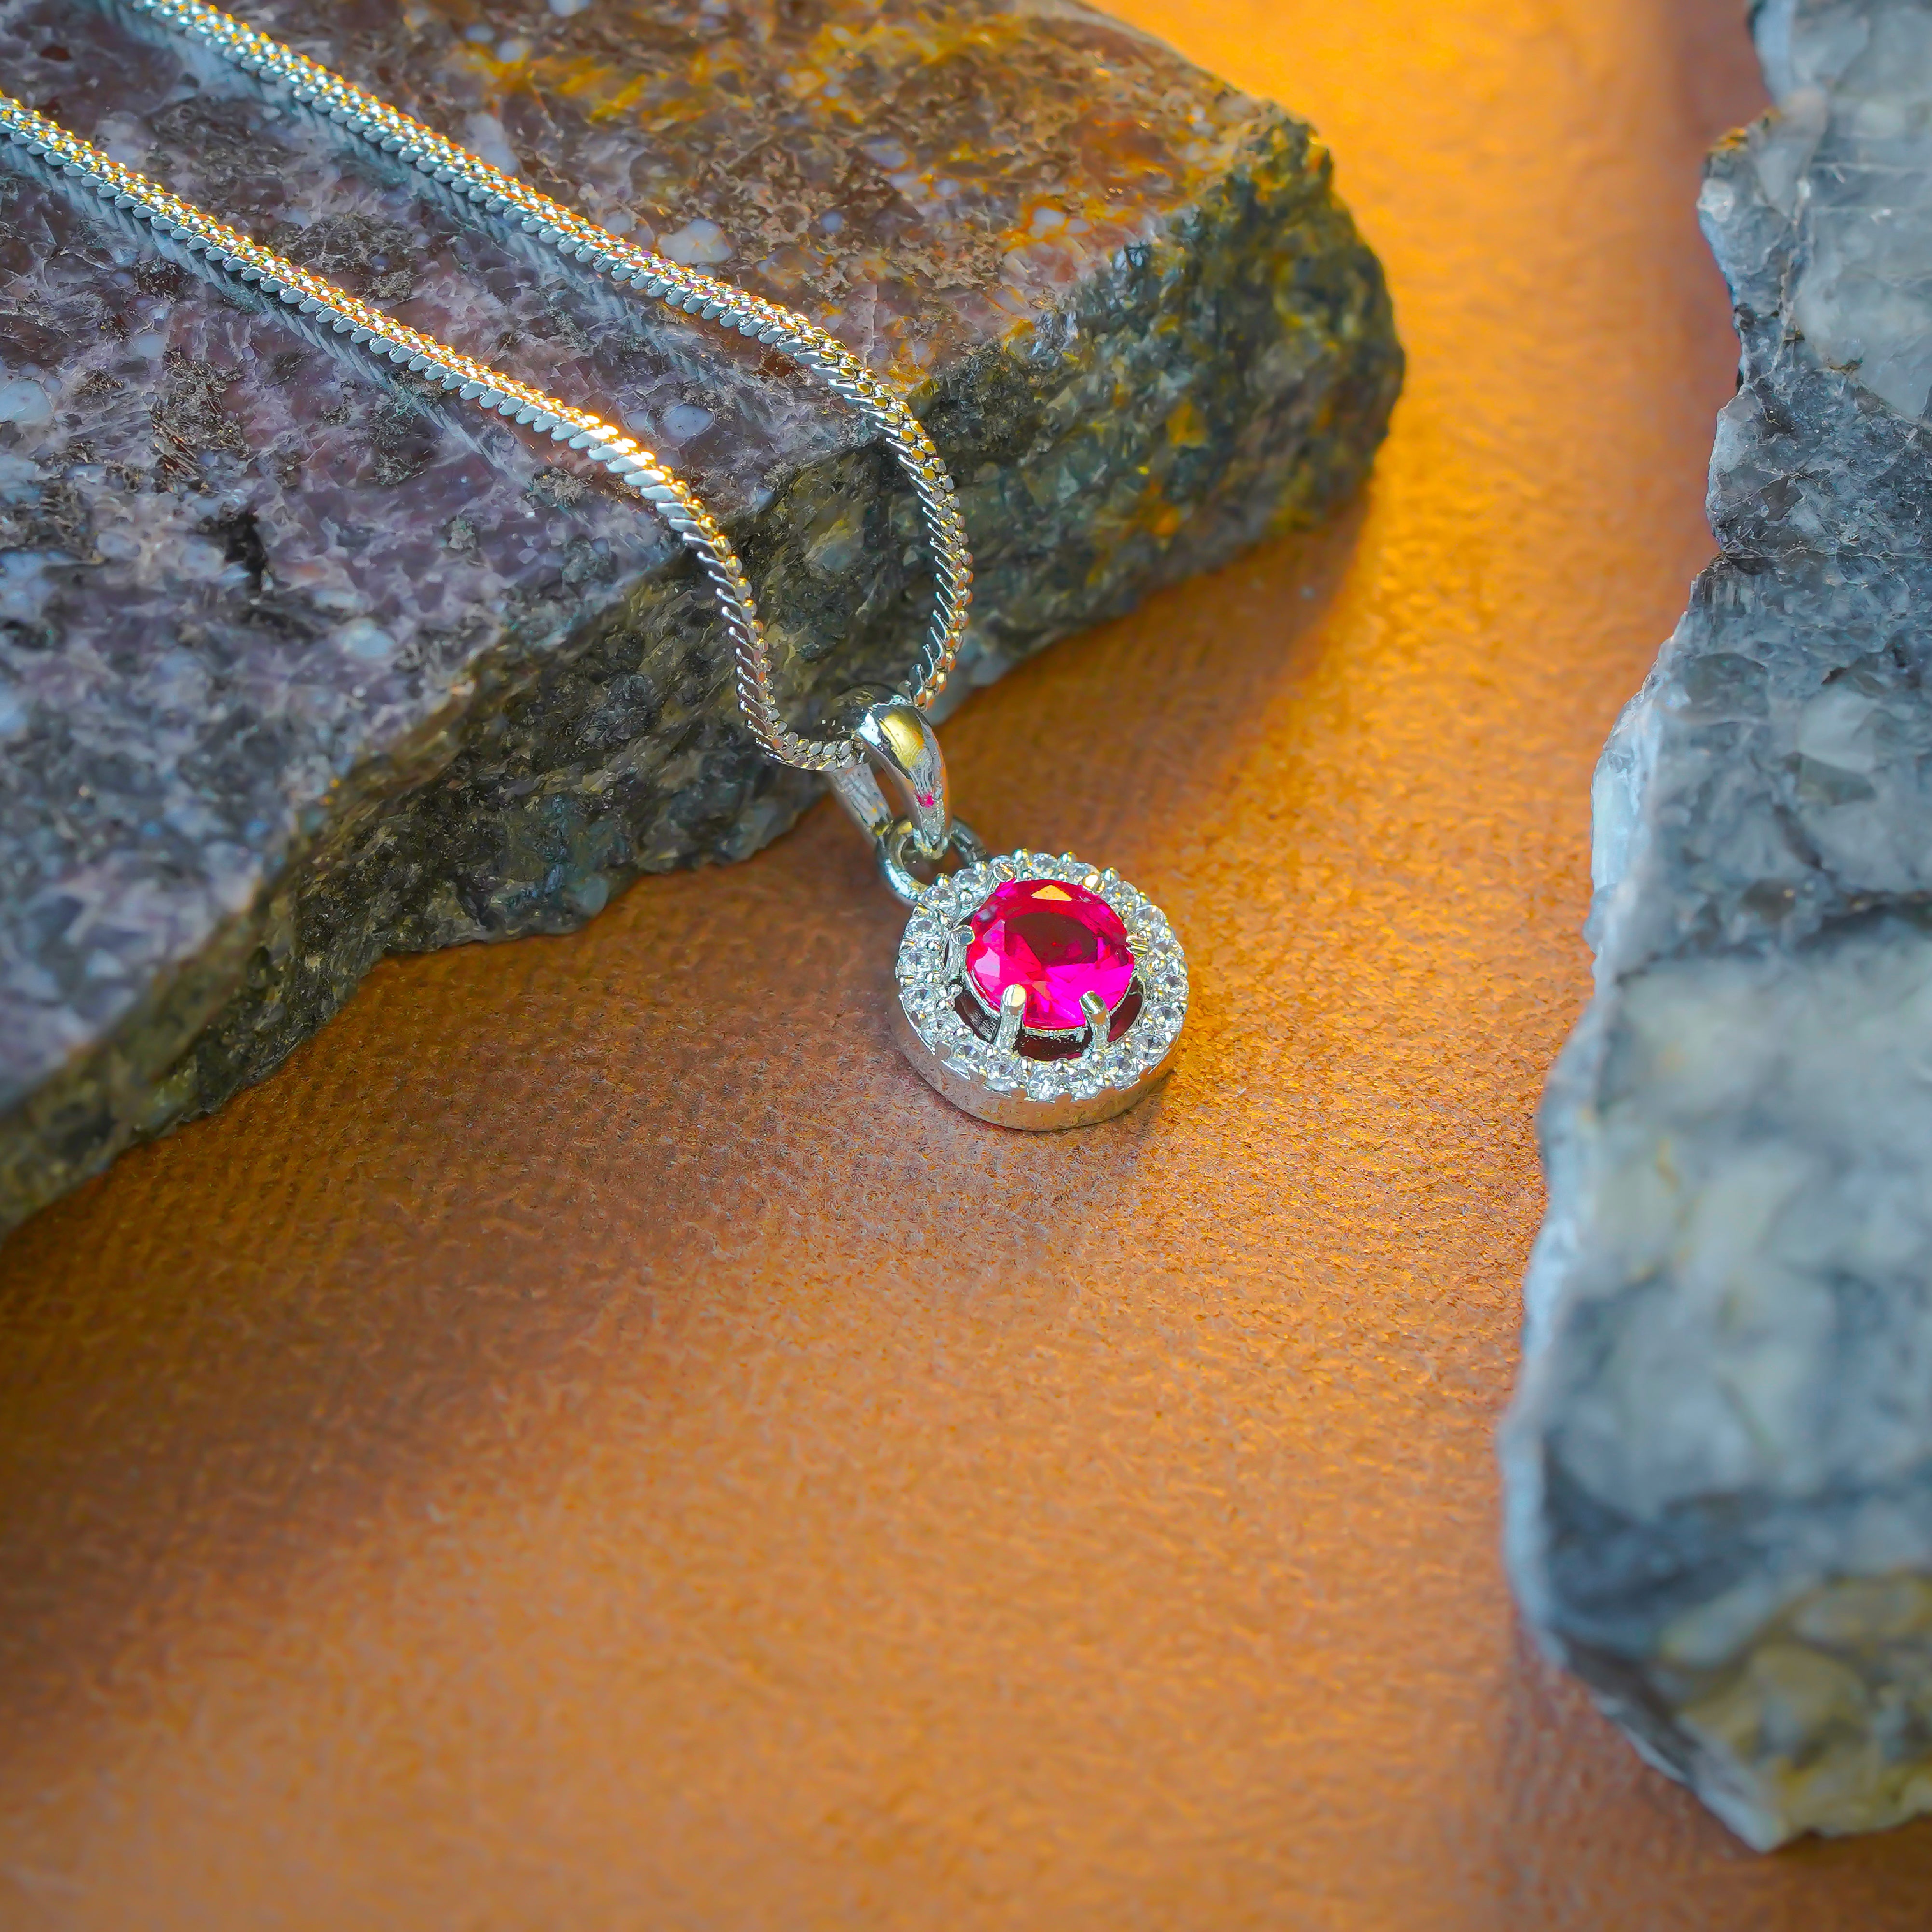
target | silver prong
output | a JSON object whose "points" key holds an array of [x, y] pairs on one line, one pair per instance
{"points": [[1092, 882], [956, 954], [1012, 1004], [1095, 1008]]}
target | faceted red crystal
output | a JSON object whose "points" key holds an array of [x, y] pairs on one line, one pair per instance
{"points": [[1058, 941]]}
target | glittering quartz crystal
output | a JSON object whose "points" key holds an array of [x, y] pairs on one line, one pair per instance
{"points": [[1058, 941]]}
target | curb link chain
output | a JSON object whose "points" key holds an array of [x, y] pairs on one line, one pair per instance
{"points": [[226, 249], [577, 239]]}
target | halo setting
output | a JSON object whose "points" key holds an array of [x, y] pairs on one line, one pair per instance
{"points": [[1038, 992]]}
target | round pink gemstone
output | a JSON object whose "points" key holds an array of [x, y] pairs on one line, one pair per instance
{"points": [[1058, 941]]}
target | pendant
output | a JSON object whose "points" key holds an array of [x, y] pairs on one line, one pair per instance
{"points": [[1034, 992]]}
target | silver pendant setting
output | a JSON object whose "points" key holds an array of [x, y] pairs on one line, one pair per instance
{"points": [[991, 1065], [1085, 935]]}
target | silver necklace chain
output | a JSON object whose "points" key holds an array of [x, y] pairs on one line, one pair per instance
{"points": [[966, 1013], [577, 239]]}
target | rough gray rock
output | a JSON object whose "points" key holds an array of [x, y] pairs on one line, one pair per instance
{"points": [[296, 668], [1719, 1462]]}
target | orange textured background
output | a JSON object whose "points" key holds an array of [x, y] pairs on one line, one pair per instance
{"points": [[594, 1443]]}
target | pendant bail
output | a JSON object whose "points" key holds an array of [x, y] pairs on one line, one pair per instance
{"points": [[903, 776], [899, 796]]}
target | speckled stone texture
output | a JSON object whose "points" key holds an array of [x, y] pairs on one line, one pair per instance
{"points": [[297, 667], [1720, 1460]]}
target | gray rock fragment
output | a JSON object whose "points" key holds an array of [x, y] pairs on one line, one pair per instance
{"points": [[297, 668], [1719, 1461]]}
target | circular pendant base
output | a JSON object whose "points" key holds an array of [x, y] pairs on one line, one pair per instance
{"points": [[1041, 1080]]}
